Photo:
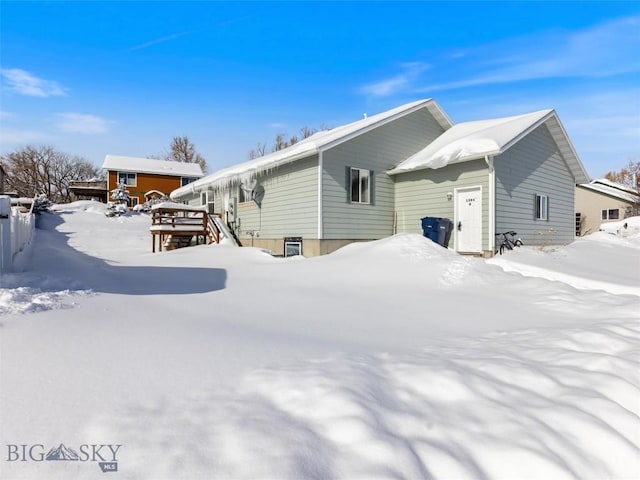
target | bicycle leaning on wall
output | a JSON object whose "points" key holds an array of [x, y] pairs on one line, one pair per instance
{"points": [[509, 241]]}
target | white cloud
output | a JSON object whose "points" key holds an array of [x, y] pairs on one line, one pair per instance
{"points": [[277, 125], [409, 73], [24, 83], [598, 51], [82, 123], [159, 40], [13, 137]]}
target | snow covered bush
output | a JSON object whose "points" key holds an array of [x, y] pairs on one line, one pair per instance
{"points": [[147, 206], [120, 201], [41, 204]]}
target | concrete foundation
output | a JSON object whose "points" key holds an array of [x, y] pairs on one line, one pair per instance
{"points": [[310, 247]]}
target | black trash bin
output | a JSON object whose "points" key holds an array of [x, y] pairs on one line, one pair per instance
{"points": [[437, 230], [430, 228], [445, 227]]}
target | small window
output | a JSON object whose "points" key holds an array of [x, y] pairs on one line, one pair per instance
{"points": [[611, 214], [542, 207], [244, 194], [133, 201], [360, 185], [187, 180], [292, 246], [129, 179]]}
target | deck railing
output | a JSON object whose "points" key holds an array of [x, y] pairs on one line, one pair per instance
{"points": [[180, 221]]}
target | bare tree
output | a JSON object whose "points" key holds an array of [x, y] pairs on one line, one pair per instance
{"points": [[306, 132], [628, 176], [44, 170], [282, 142], [183, 150], [258, 151], [279, 143]]}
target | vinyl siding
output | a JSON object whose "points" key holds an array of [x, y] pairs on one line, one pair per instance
{"points": [[590, 205], [423, 193], [535, 166], [378, 150], [290, 203]]}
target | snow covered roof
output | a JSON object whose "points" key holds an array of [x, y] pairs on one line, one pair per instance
{"points": [[151, 165], [314, 144], [612, 189], [473, 140], [617, 186], [178, 206]]}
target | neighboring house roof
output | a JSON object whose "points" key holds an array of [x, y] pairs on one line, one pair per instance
{"points": [[152, 166], [624, 194], [473, 140], [314, 144], [617, 186]]}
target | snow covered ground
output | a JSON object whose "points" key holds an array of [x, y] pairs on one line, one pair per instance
{"points": [[388, 359]]}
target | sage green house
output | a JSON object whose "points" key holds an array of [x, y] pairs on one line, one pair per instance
{"points": [[491, 176], [380, 175]]}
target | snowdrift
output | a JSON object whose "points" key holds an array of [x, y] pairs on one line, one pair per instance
{"points": [[387, 359]]}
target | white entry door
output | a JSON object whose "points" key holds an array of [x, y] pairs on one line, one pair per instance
{"points": [[468, 219]]}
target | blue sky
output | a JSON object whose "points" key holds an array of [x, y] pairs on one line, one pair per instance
{"points": [[97, 78]]}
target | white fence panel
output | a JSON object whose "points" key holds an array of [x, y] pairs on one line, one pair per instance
{"points": [[16, 233]]}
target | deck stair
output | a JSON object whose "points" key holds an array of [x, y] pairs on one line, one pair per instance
{"points": [[176, 225]]}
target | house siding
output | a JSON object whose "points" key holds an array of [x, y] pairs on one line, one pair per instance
{"points": [[535, 166], [590, 205], [378, 150], [423, 193], [144, 183], [290, 204]]}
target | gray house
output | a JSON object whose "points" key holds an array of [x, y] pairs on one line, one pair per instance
{"points": [[382, 174]]}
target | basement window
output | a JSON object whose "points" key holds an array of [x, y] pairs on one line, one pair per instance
{"points": [[611, 214], [292, 246]]}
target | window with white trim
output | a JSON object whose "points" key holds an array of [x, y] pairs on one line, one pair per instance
{"points": [[187, 180], [611, 214], [244, 194], [292, 246], [360, 185], [133, 201], [128, 178], [542, 207], [207, 198]]}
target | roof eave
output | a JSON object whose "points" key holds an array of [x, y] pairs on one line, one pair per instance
{"points": [[203, 183], [468, 158]]}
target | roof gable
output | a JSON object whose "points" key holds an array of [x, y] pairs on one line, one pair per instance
{"points": [[478, 139], [152, 166]]}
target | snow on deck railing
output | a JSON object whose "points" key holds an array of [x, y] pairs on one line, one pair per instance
{"points": [[16, 232]]}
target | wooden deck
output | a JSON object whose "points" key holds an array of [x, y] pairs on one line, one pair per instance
{"points": [[178, 224]]}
